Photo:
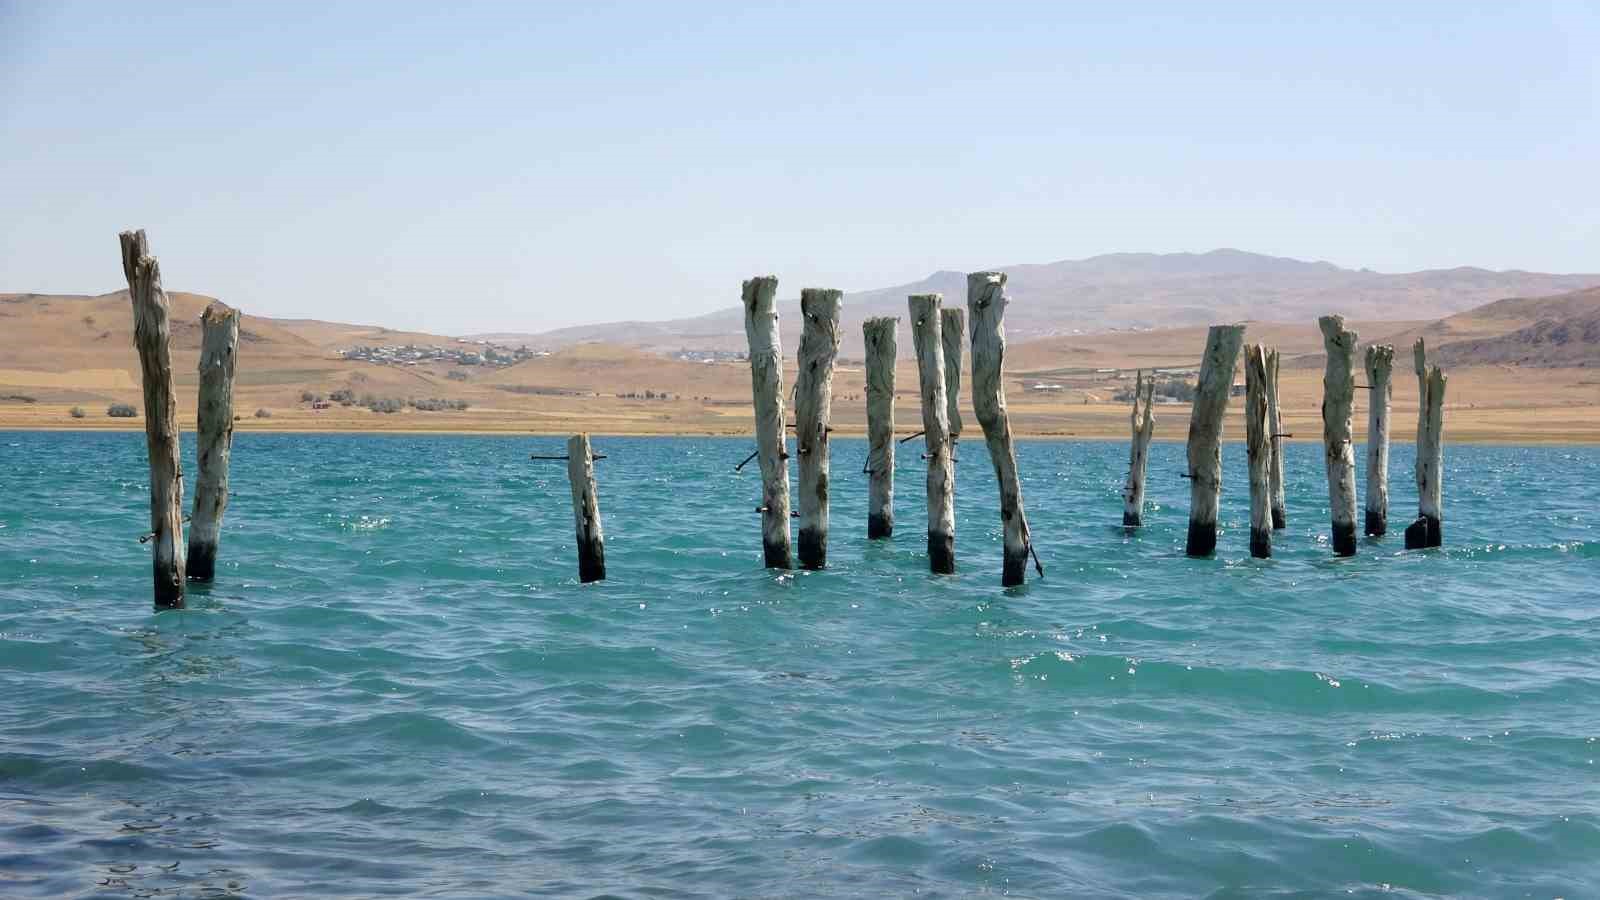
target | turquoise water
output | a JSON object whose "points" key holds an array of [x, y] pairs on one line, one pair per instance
{"points": [[397, 687]]}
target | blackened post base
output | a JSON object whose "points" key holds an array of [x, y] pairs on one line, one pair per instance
{"points": [[168, 589], [942, 553], [879, 527], [1202, 539], [1261, 543], [591, 562], [776, 554], [1344, 539], [1132, 520], [202, 562], [813, 549], [1377, 523], [1424, 533], [1279, 520], [1014, 570]]}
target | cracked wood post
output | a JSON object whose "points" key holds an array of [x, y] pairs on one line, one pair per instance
{"points": [[219, 345], [1205, 436], [879, 334], [1144, 424], [986, 313], [586, 510], [1338, 398], [766, 381], [1379, 365], [1427, 530], [813, 411], [952, 329], [926, 338], [152, 336], [1259, 447], [1280, 517]]}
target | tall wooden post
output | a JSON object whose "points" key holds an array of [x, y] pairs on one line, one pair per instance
{"points": [[1275, 428], [1259, 446], [952, 331], [986, 310], [926, 338], [766, 381], [1338, 398], [1379, 365], [586, 510], [152, 337], [1205, 436], [1144, 424], [219, 345], [1428, 530], [813, 411], [879, 334]]}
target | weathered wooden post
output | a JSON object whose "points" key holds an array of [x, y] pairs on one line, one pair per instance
{"points": [[813, 411], [219, 345], [1280, 517], [952, 330], [1428, 530], [986, 308], [586, 510], [152, 337], [1205, 436], [1379, 365], [1338, 398], [766, 380], [1144, 424], [1258, 443], [926, 338], [879, 334]]}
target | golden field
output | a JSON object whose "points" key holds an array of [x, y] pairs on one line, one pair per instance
{"points": [[59, 352]]}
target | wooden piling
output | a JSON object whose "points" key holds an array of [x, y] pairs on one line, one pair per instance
{"points": [[813, 411], [879, 334], [152, 337], [952, 330], [1338, 398], [1259, 447], [1144, 424], [928, 341], [1428, 530], [219, 345], [586, 510], [1280, 517], [986, 309], [1205, 436], [1379, 363], [766, 380]]}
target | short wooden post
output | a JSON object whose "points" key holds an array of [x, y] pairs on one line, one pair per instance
{"points": [[952, 331], [879, 334], [1259, 446], [219, 345], [152, 337], [1144, 424], [1205, 436], [813, 411], [1338, 398], [986, 310], [1428, 530], [766, 380], [926, 338], [1280, 516], [586, 510], [1379, 364]]}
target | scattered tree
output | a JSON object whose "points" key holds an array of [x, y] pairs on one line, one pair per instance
{"points": [[121, 411]]}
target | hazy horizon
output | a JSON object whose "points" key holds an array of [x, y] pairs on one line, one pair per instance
{"points": [[479, 169]]}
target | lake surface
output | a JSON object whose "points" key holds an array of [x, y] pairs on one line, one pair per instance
{"points": [[397, 686]]}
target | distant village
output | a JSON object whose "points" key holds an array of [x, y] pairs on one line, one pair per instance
{"points": [[475, 353]]}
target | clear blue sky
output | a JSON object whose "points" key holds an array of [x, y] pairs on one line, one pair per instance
{"points": [[463, 167]]}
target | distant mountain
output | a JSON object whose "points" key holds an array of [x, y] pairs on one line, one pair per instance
{"points": [[1126, 291], [1562, 331]]}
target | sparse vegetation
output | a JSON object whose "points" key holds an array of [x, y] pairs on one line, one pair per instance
{"points": [[456, 375], [122, 411], [343, 397], [263, 413], [19, 398], [78, 413], [310, 397], [1177, 390]]}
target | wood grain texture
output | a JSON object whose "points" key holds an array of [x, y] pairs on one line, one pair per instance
{"points": [[1258, 446], [1338, 449], [766, 385], [1144, 425], [813, 411], [927, 340], [1280, 511], [879, 336], [986, 311], [219, 348], [1379, 365], [586, 510], [1205, 436]]}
